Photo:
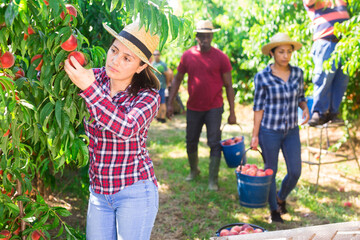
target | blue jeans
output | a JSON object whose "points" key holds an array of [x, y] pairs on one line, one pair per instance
{"points": [[127, 214], [329, 88], [271, 142], [162, 95], [194, 123]]}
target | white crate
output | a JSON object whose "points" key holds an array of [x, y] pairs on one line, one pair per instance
{"points": [[335, 231]]}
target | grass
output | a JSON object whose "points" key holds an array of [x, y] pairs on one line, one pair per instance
{"points": [[199, 212], [188, 210]]}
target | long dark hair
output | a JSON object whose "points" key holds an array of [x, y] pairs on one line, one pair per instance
{"points": [[145, 79]]}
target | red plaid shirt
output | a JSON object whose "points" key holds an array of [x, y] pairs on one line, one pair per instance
{"points": [[117, 130]]}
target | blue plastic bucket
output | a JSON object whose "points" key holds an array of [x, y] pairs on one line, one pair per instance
{"points": [[309, 101], [253, 190], [233, 153]]}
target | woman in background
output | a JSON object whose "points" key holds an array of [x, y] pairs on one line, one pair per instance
{"points": [[279, 91]]}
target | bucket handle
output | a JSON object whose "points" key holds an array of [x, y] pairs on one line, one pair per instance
{"points": [[222, 128], [242, 159]]}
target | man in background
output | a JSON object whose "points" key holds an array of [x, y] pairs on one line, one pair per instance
{"points": [[208, 70]]}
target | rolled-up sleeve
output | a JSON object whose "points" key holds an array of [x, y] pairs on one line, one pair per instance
{"points": [[260, 94]]}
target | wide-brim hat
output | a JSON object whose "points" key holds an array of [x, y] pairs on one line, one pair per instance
{"points": [[205, 26], [142, 43], [278, 40]]}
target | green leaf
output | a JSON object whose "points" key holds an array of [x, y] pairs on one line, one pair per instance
{"points": [[42, 220], [65, 30], [65, 124], [174, 25], [50, 41], [54, 4], [46, 75], [113, 5], [23, 199], [58, 112], [56, 83], [61, 162], [53, 225], [127, 5], [40, 199], [46, 111], [165, 33], [61, 230], [11, 12], [73, 113], [60, 57], [153, 20], [63, 212], [85, 152], [136, 7], [14, 208], [23, 10], [75, 148]]}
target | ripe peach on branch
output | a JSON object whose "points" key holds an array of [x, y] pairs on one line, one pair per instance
{"points": [[70, 44]]}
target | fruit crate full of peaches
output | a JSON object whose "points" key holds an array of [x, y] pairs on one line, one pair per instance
{"points": [[253, 184]]}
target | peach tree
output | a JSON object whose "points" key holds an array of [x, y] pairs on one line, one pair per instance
{"points": [[40, 111]]}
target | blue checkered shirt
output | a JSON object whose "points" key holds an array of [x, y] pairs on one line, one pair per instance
{"points": [[279, 99]]}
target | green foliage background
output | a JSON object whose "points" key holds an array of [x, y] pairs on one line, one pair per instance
{"points": [[247, 25]]}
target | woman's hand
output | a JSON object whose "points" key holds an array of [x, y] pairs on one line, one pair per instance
{"points": [[254, 143], [306, 114], [81, 77]]}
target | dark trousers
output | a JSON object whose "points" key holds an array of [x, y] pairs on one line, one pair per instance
{"points": [[194, 123]]}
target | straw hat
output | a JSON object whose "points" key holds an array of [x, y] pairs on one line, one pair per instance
{"points": [[140, 42], [205, 26], [277, 40]]}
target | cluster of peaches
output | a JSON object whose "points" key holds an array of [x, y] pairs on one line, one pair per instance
{"points": [[253, 170], [7, 59], [239, 230], [232, 141]]}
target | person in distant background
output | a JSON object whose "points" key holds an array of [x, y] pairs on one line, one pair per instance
{"points": [[329, 87], [164, 78]]}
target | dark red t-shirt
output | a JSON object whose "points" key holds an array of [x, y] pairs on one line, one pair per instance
{"points": [[205, 81]]}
